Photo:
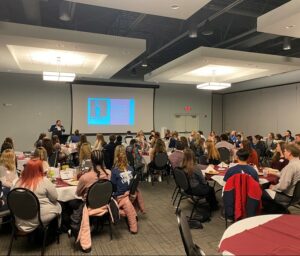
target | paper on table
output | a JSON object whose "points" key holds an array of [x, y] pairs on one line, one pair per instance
{"points": [[210, 169], [271, 193], [67, 174], [223, 165]]}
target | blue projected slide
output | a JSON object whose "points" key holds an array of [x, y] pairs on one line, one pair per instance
{"points": [[106, 111]]}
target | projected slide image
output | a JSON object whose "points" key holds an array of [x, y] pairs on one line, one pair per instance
{"points": [[106, 111]]}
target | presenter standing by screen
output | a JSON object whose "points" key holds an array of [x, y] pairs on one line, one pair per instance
{"points": [[57, 129]]}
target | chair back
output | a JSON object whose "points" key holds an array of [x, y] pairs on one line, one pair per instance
{"points": [[23, 204], [224, 155], [186, 236], [134, 184], [99, 194], [130, 158], [296, 195], [203, 160], [52, 159], [181, 179], [161, 160]]}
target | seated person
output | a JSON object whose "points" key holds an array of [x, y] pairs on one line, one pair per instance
{"points": [[224, 143], [92, 175], [197, 145], [75, 138], [173, 139], [109, 150], [8, 173], [278, 161], [289, 176], [121, 178], [33, 179], [199, 186], [253, 157], [159, 147], [242, 166], [40, 153], [84, 152], [176, 157], [213, 155]]}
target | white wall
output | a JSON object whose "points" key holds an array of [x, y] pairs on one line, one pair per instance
{"points": [[171, 100], [217, 113], [33, 105], [261, 111]]}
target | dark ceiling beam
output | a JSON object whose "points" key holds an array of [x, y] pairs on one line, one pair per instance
{"points": [[32, 11], [255, 40], [232, 39], [185, 34], [135, 23], [240, 12]]}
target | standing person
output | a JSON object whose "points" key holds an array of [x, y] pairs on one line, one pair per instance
{"points": [[57, 129]]}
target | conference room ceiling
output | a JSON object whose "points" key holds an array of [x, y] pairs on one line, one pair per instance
{"points": [[227, 24]]}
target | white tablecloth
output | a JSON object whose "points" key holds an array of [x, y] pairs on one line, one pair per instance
{"points": [[220, 181], [67, 193], [245, 224], [21, 162]]}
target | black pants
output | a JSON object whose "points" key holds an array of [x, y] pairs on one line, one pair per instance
{"points": [[67, 210], [276, 205], [208, 192]]}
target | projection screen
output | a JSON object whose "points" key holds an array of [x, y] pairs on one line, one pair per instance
{"points": [[111, 109]]}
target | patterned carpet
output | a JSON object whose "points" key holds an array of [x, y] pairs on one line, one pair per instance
{"points": [[158, 232]]}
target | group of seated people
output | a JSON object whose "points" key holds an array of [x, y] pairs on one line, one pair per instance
{"points": [[109, 161], [35, 178]]}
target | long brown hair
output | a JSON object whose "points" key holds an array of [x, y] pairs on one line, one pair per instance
{"points": [[276, 156], [8, 159], [32, 174], [212, 152], [159, 147], [120, 158], [189, 161]]}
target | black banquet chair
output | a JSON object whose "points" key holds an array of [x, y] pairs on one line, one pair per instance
{"points": [[24, 204], [161, 164], [191, 249], [182, 183], [99, 195], [224, 155]]}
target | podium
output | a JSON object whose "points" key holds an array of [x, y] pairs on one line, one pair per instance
{"points": [[63, 138]]}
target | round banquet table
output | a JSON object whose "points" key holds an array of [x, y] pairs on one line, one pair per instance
{"points": [[274, 234]]}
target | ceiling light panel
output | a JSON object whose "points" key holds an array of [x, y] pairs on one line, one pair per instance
{"points": [[205, 64], [38, 59], [284, 20], [178, 9]]}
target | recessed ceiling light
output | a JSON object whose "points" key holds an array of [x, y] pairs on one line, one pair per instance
{"points": [[290, 26], [175, 7], [207, 32], [214, 86]]}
